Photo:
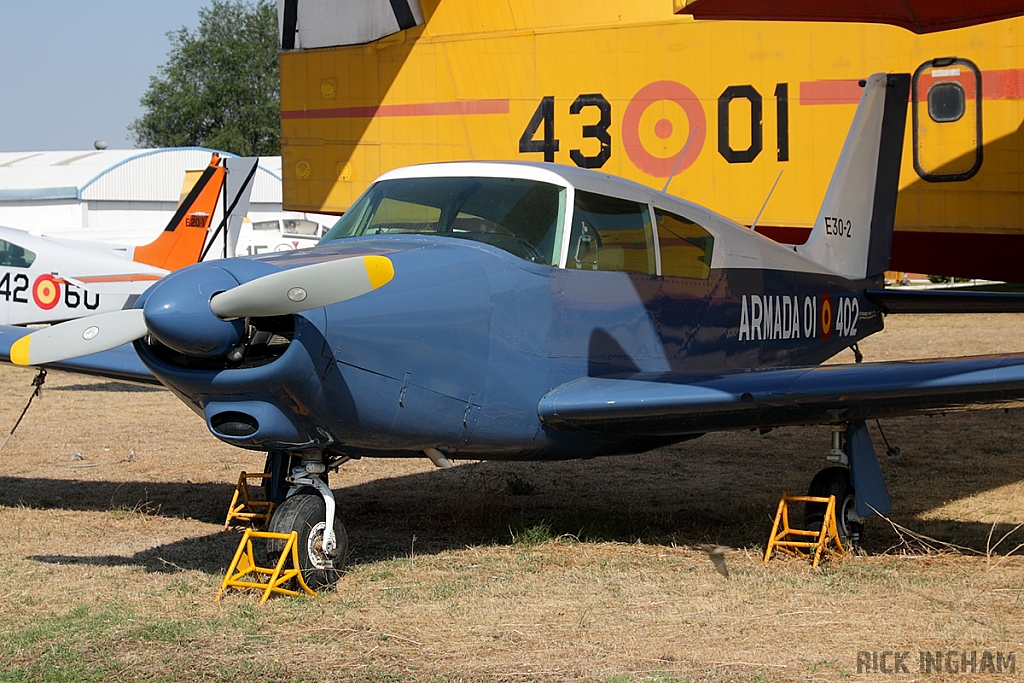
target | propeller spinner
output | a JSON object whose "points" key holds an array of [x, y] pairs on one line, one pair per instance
{"points": [[289, 291]]}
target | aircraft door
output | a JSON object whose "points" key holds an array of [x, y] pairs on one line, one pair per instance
{"points": [[946, 106]]}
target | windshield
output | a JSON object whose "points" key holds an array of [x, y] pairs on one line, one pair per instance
{"points": [[522, 217]]}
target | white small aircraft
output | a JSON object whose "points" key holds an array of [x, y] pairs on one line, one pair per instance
{"points": [[280, 234], [49, 280]]}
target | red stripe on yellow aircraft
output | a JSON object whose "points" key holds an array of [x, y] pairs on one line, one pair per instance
{"points": [[455, 108], [999, 84]]}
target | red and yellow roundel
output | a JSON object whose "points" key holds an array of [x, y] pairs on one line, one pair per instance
{"points": [[668, 111], [826, 316], [46, 291]]}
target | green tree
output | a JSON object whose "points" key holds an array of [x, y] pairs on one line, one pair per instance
{"points": [[220, 87]]}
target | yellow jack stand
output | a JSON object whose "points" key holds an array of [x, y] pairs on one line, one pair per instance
{"points": [[785, 540], [249, 511], [244, 563]]}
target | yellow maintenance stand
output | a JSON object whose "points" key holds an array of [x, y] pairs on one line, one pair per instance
{"points": [[244, 564], [786, 538], [248, 510]]}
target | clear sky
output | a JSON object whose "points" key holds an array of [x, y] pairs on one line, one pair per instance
{"points": [[73, 71]]}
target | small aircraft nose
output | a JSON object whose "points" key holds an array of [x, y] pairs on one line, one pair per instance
{"points": [[178, 313]]}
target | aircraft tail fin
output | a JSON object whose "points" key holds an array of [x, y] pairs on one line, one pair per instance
{"points": [[852, 235], [181, 242]]}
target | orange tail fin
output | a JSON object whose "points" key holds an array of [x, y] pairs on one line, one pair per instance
{"points": [[181, 242]]}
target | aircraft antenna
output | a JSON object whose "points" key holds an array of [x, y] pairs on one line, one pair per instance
{"points": [[685, 147], [758, 217]]}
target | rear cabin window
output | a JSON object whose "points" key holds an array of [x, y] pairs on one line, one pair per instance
{"points": [[685, 246], [522, 217], [14, 256], [300, 227], [610, 234]]}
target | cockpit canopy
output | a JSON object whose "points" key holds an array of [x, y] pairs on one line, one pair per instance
{"points": [[527, 217], [517, 215]]}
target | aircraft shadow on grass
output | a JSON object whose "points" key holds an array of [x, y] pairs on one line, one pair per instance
{"points": [[721, 492]]}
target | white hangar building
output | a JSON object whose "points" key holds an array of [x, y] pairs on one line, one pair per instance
{"points": [[120, 195]]}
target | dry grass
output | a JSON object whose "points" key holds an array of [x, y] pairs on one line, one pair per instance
{"points": [[557, 571]]}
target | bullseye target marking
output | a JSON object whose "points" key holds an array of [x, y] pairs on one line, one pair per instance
{"points": [[826, 316], [46, 292], [663, 127]]}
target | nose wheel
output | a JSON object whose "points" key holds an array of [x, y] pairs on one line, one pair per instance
{"points": [[305, 512]]}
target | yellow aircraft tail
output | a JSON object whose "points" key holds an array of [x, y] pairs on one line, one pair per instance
{"points": [[181, 242]]}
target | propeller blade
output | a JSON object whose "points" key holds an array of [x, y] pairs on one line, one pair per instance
{"points": [[304, 288], [79, 337]]}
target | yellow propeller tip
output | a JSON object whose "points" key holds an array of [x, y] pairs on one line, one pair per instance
{"points": [[19, 351], [379, 270]]}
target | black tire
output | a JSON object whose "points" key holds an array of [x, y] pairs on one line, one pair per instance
{"points": [[304, 513], [834, 481]]}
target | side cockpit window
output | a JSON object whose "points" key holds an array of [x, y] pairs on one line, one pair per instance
{"points": [[611, 234], [14, 256], [685, 246], [404, 217]]}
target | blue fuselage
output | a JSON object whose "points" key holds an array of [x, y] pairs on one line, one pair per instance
{"points": [[458, 349]]}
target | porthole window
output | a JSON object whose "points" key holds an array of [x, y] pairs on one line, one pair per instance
{"points": [[946, 102]]}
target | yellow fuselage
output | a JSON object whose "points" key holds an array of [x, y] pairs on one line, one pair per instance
{"points": [[715, 110]]}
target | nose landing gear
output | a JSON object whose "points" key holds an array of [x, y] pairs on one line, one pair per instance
{"points": [[309, 510]]}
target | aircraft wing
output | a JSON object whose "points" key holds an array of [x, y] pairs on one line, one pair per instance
{"points": [[675, 405], [919, 16], [119, 363]]}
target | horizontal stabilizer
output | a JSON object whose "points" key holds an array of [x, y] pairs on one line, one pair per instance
{"points": [[672, 405], [945, 301], [121, 283]]}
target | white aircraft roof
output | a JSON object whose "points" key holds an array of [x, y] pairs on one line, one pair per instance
{"points": [[117, 175]]}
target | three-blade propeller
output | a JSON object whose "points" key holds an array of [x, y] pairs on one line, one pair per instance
{"points": [[289, 291]]}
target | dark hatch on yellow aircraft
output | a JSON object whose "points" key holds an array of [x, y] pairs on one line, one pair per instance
{"points": [[946, 114]]}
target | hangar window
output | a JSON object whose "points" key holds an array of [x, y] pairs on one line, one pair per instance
{"points": [[14, 256], [520, 216], [685, 246], [946, 102], [611, 234]]}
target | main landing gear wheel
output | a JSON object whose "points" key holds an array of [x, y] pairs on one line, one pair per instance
{"points": [[304, 513], [835, 481]]}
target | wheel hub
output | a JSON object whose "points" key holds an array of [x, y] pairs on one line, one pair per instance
{"points": [[315, 548]]}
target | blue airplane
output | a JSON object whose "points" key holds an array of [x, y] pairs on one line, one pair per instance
{"points": [[518, 311]]}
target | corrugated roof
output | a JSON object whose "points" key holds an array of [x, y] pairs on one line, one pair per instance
{"points": [[117, 175]]}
